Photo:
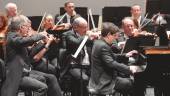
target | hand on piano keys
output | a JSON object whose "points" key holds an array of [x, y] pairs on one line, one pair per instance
{"points": [[131, 53], [136, 68]]}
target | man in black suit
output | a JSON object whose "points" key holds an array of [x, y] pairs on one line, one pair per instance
{"points": [[70, 15], [17, 61], [104, 69], [73, 39], [139, 20], [67, 21], [133, 40]]}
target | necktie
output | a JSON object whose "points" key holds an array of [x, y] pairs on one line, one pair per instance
{"points": [[136, 23], [71, 19]]}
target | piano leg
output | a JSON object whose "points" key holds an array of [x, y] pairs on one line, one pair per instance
{"points": [[162, 86], [139, 84]]}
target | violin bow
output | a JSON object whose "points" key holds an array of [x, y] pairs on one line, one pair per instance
{"points": [[60, 20], [41, 21], [100, 22], [149, 20], [80, 46], [143, 20], [88, 20], [85, 38], [92, 20]]}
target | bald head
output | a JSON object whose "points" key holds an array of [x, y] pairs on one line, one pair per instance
{"points": [[11, 9]]}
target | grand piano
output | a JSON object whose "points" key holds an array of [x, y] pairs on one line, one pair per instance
{"points": [[157, 63], [158, 69]]}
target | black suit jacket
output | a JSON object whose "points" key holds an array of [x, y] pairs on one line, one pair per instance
{"points": [[16, 59], [104, 68], [72, 43]]}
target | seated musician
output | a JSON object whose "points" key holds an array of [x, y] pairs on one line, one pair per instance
{"points": [[18, 65], [3, 32], [132, 35], [104, 78], [41, 68], [48, 24], [51, 54], [17, 60], [73, 40], [38, 51], [130, 31]]}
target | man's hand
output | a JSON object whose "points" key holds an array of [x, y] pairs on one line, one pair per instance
{"points": [[67, 25], [93, 35], [133, 69], [131, 53], [44, 33]]}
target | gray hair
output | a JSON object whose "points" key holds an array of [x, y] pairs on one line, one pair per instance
{"points": [[78, 21], [125, 19], [17, 22], [9, 5]]}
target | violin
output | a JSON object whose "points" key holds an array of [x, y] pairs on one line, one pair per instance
{"points": [[58, 27], [137, 33]]}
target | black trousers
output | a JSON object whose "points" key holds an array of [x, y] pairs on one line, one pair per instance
{"points": [[52, 83]]}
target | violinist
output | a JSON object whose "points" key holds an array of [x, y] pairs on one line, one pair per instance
{"points": [[133, 40], [3, 32], [73, 40], [69, 16], [40, 52], [37, 57], [140, 20], [130, 31], [48, 24]]}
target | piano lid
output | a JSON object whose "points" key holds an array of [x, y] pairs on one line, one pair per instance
{"points": [[156, 49]]}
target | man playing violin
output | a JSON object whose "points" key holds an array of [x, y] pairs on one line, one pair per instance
{"points": [[133, 39], [139, 20], [3, 32], [70, 15], [73, 40]]}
